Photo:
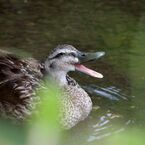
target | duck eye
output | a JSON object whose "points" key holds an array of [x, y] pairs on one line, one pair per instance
{"points": [[59, 55], [73, 54]]}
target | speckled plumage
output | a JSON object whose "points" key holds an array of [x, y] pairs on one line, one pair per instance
{"points": [[76, 104], [19, 80]]}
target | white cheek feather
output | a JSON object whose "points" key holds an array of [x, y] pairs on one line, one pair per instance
{"points": [[70, 59], [76, 59]]}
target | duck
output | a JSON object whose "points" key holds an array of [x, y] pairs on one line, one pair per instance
{"points": [[19, 79]]}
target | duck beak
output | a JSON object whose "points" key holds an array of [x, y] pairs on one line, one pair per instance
{"points": [[85, 57]]}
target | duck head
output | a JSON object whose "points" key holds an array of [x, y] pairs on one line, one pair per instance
{"points": [[65, 58]]}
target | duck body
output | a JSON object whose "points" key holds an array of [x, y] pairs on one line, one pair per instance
{"points": [[19, 80], [76, 104]]}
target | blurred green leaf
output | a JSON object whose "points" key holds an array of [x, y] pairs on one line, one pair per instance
{"points": [[44, 128]]}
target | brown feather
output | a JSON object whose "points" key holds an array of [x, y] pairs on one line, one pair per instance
{"points": [[18, 78]]}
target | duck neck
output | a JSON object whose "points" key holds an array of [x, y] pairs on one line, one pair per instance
{"points": [[59, 77]]}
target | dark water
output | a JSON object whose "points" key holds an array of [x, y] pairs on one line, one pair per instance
{"points": [[116, 27]]}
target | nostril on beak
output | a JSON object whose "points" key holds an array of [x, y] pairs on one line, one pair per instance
{"points": [[83, 55]]}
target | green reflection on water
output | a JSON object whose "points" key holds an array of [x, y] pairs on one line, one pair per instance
{"points": [[137, 71]]}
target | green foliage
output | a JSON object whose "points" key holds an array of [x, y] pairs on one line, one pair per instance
{"points": [[49, 105], [44, 127]]}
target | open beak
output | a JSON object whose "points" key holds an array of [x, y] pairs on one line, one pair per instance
{"points": [[85, 57]]}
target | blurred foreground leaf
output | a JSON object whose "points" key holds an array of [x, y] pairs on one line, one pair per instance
{"points": [[44, 129]]}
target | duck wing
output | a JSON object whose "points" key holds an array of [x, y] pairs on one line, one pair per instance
{"points": [[18, 78]]}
